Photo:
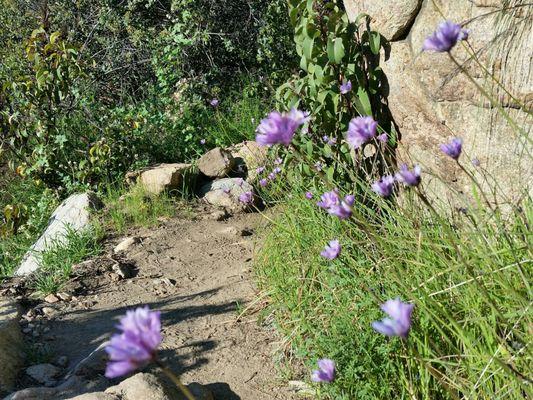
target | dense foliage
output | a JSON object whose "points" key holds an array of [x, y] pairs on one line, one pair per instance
{"points": [[99, 87]]}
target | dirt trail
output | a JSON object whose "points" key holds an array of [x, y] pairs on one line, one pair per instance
{"points": [[198, 273]]}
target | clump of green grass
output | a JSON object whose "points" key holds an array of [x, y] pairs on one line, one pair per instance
{"points": [[468, 278], [135, 208], [57, 261]]}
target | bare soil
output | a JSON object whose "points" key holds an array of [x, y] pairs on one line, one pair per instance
{"points": [[198, 272]]}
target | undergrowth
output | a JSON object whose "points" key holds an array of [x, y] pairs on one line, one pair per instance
{"points": [[468, 278]]}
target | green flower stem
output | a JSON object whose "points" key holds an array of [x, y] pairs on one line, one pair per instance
{"points": [[175, 380]]}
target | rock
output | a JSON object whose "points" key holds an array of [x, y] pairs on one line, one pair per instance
{"points": [[43, 373], [72, 214], [11, 344], [124, 271], [95, 396], [164, 177], [249, 156], [226, 192], [51, 298], [431, 101], [126, 244], [64, 296], [131, 178], [48, 311], [143, 386], [200, 392], [216, 163], [391, 18]]}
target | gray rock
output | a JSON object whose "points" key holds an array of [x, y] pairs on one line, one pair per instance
{"points": [[225, 193], [164, 177], [249, 156], [95, 396], [144, 386], [73, 214], [216, 163], [43, 373], [11, 344], [390, 17], [126, 244]]}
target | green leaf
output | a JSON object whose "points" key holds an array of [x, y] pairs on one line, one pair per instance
{"points": [[330, 172], [307, 46], [364, 100], [338, 49], [375, 42]]}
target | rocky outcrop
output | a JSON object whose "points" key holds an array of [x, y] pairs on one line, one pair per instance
{"points": [[164, 177], [72, 215], [11, 345], [431, 100], [393, 17]]}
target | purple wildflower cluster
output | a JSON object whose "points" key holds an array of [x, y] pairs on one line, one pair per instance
{"points": [[280, 128], [332, 250], [399, 322], [332, 203], [137, 345], [445, 37], [360, 131]]}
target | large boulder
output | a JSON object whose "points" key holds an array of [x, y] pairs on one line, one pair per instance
{"points": [[164, 177], [216, 163], [392, 17], [226, 192], [431, 100], [248, 157], [71, 215], [11, 345]]}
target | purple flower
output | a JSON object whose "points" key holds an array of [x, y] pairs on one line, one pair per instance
{"points": [[278, 161], [445, 37], [263, 182], [399, 322], [214, 102], [318, 166], [346, 87], [308, 195], [246, 197], [453, 149], [407, 177], [325, 138], [383, 138], [136, 346], [331, 202], [280, 128], [384, 186], [342, 210], [330, 141], [202, 141], [332, 250], [272, 176], [329, 199], [277, 170], [260, 170], [360, 131], [325, 371]]}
